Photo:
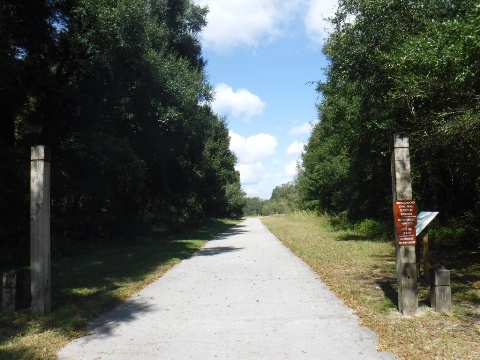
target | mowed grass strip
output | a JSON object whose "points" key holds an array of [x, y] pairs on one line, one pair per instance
{"points": [[361, 271], [85, 286]]}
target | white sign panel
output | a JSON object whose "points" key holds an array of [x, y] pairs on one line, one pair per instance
{"points": [[423, 219]]}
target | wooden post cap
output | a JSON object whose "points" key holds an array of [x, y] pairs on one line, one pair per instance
{"points": [[40, 152], [400, 141], [440, 276], [12, 279]]}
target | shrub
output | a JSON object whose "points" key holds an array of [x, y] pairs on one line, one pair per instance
{"points": [[374, 229]]}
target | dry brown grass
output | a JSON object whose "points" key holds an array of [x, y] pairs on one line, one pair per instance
{"points": [[362, 273]]}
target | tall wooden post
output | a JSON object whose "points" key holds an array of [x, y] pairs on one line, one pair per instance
{"points": [[40, 229], [405, 254], [426, 257]]}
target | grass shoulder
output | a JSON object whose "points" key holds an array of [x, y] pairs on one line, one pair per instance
{"points": [[87, 285], [361, 271]]}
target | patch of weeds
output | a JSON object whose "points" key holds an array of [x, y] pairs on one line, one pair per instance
{"points": [[340, 221], [374, 229]]}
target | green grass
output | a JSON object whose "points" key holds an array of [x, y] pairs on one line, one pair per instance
{"points": [[85, 286], [360, 269]]}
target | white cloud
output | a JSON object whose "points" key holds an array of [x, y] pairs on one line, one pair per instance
{"points": [[251, 191], [254, 148], [268, 181], [259, 181], [240, 102], [252, 153], [316, 24], [250, 174], [296, 148], [301, 129], [233, 23], [291, 168]]}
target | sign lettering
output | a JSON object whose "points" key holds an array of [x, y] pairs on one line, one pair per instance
{"points": [[405, 216]]}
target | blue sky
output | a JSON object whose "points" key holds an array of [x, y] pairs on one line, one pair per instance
{"points": [[264, 57]]}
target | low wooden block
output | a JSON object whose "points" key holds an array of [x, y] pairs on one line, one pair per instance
{"points": [[12, 293], [12, 299], [441, 298]]}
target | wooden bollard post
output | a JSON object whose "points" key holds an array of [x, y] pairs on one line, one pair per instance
{"points": [[40, 229], [426, 257], [424, 218], [12, 293], [440, 290], [405, 237]]}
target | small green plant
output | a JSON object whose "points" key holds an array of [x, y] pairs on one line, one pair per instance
{"points": [[374, 229], [340, 221]]}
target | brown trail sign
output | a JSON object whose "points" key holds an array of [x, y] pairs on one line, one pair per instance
{"points": [[405, 217]]}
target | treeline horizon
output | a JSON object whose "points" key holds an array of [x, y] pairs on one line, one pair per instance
{"points": [[118, 91]]}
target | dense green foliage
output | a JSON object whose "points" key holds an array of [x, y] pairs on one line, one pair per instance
{"points": [[410, 66], [118, 90], [285, 199]]}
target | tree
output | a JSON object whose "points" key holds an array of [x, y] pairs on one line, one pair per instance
{"points": [[254, 206], [284, 198], [397, 66], [118, 90], [235, 198], [26, 40]]}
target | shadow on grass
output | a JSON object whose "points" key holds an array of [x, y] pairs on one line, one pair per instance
{"points": [[23, 352], [388, 288], [351, 236], [211, 230], [88, 285]]}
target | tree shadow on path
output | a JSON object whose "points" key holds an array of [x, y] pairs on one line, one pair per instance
{"points": [[216, 250]]}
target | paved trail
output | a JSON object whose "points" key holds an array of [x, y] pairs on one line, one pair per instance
{"points": [[243, 296]]}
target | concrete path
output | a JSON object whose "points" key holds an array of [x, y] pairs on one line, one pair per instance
{"points": [[243, 296]]}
